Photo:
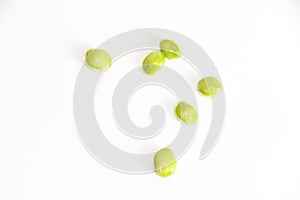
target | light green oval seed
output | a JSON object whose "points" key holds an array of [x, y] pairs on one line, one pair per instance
{"points": [[164, 162], [98, 59], [153, 62], [209, 86], [170, 49], [186, 113]]}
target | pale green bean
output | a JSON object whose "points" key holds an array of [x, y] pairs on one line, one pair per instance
{"points": [[209, 86], [153, 62], [186, 113], [164, 162], [170, 49], [98, 59]]}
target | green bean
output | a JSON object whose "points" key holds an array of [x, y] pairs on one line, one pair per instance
{"points": [[153, 62], [186, 113], [164, 162], [170, 49], [98, 59], [209, 86]]}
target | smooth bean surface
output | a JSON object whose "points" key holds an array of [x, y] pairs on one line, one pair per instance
{"points": [[98, 59], [170, 49], [153, 62], [209, 86], [164, 162]]}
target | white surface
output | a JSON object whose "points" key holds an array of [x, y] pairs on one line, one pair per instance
{"points": [[255, 46], [143, 100]]}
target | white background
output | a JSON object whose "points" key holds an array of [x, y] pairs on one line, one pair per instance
{"points": [[255, 46]]}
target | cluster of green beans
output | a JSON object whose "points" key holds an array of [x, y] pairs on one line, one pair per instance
{"points": [[164, 159], [156, 59]]}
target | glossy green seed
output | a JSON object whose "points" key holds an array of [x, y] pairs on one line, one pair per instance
{"points": [[164, 162], [209, 86], [98, 59], [186, 113], [153, 62], [170, 49]]}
